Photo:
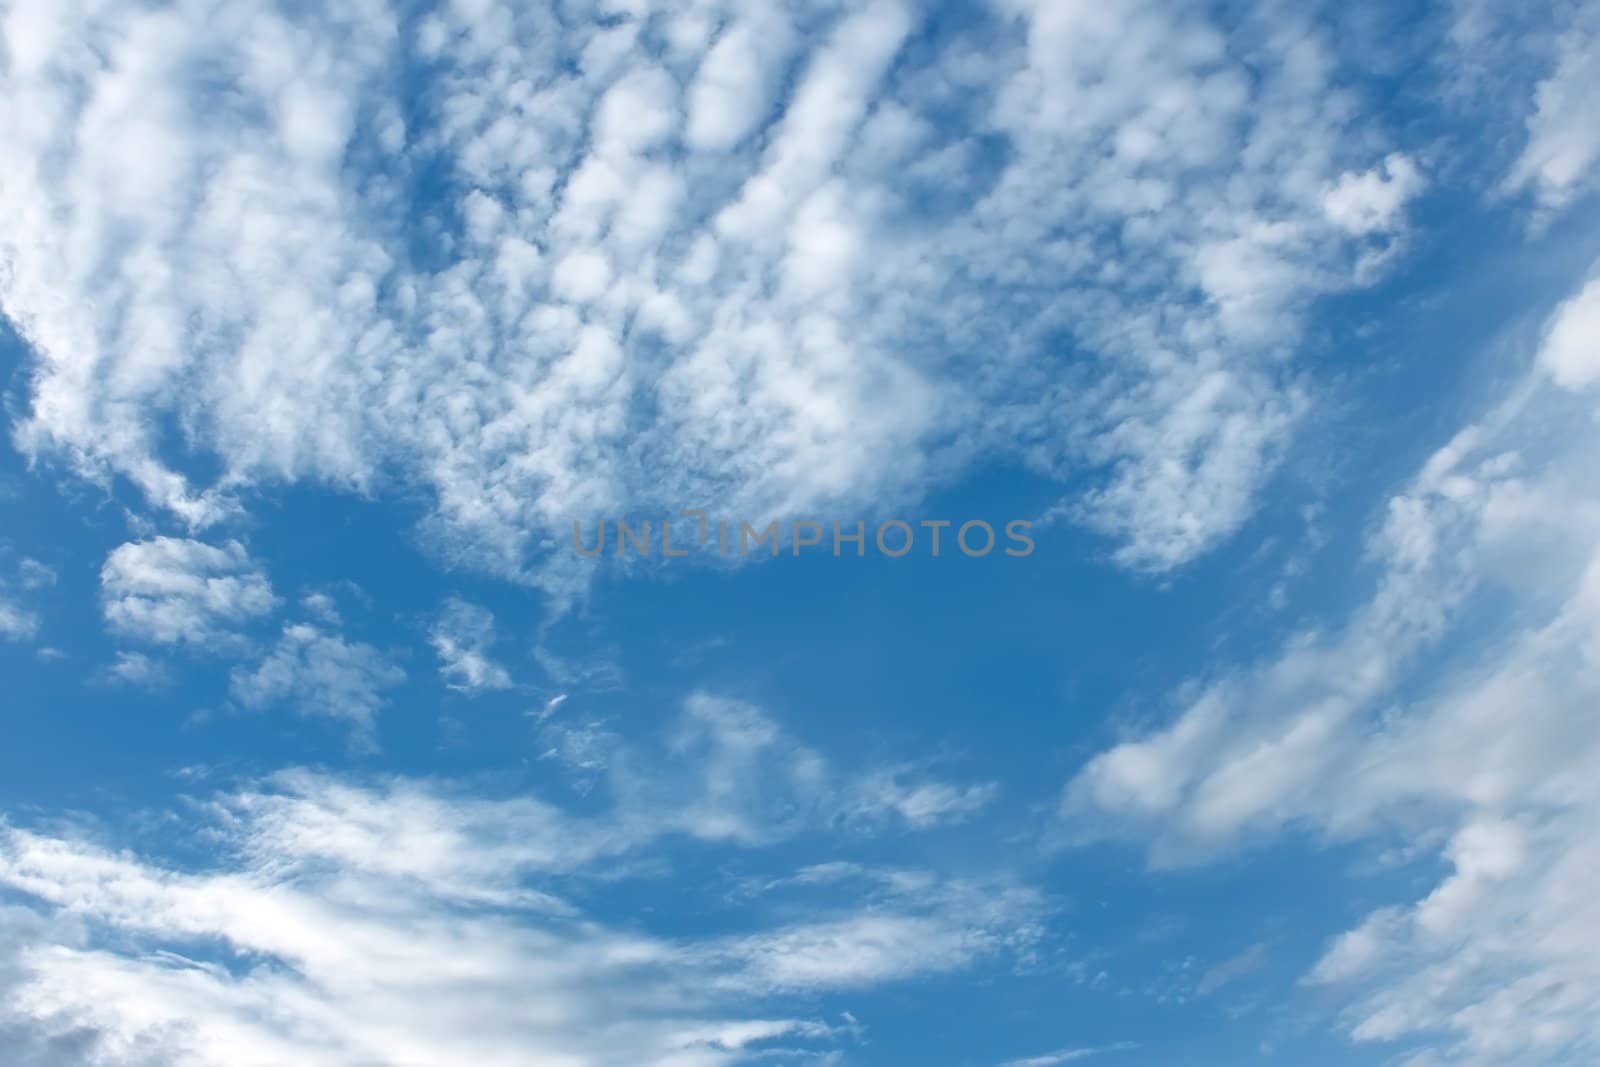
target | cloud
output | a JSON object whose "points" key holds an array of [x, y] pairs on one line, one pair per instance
{"points": [[1068, 1055], [406, 921], [171, 590], [31, 574], [725, 770], [921, 803], [1231, 970], [16, 622], [1571, 350], [1158, 164], [463, 637], [1481, 636], [321, 607], [1525, 76], [320, 673], [137, 669], [1373, 201], [776, 266], [1563, 131], [735, 83]]}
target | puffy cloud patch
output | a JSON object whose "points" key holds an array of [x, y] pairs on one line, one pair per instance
{"points": [[170, 590], [776, 263], [320, 673], [1571, 350], [1373, 201]]}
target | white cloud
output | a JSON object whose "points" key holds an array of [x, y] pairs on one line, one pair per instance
{"points": [[866, 950], [726, 770], [406, 922], [1525, 77], [1068, 1055], [1373, 201], [1563, 146], [583, 747], [31, 574], [170, 590], [635, 295], [920, 803], [463, 637], [1231, 970], [736, 775], [322, 607], [1484, 745], [137, 669], [322, 674], [736, 79], [1148, 157], [16, 622], [1571, 350]]}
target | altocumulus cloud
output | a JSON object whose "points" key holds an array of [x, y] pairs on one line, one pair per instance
{"points": [[777, 260], [769, 259], [170, 590], [320, 673]]}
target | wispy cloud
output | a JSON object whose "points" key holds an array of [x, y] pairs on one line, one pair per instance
{"points": [[408, 921], [463, 637], [1509, 508], [1558, 163], [727, 770], [1231, 970], [16, 622], [319, 673], [137, 669], [1068, 1055], [19, 621]]}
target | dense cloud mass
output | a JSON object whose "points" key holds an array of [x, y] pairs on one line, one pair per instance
{"points": [[765, 258]]}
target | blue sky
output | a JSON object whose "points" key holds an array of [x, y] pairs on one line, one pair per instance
{"points": [[320, 329]]}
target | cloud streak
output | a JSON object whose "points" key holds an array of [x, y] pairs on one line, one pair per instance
{"points": [[405, 921], [1379, 726]]}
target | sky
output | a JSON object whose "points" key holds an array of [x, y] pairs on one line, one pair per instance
{"points": [[1180, 642]]}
